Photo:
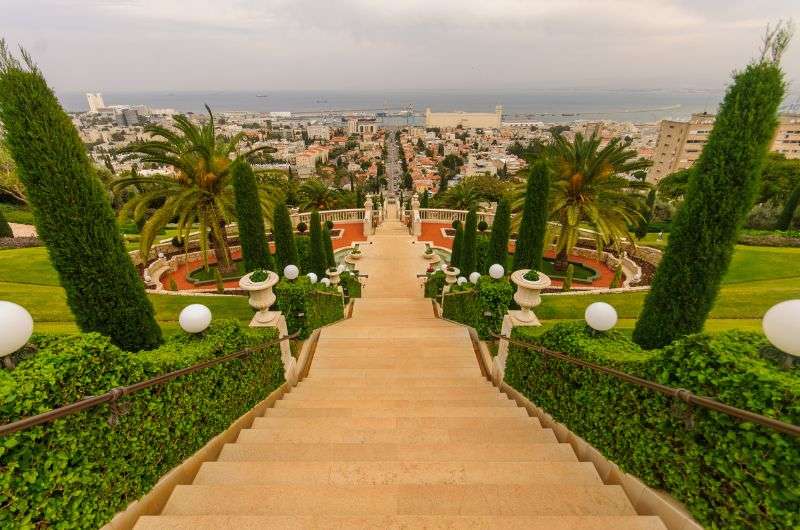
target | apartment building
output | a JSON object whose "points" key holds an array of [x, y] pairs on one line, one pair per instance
{"points": [[465, 120], [319, 132]]}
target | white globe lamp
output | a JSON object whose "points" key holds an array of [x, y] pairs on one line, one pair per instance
{"points": [[325, 281], [474, 277], [291, 272], [461, 280], [782, 326], [195, 318], [341, 268], [16, 327], [312, 277], [601, 316], [496, 271]]}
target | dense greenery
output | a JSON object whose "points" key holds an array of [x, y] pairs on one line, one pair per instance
{"points": [[458, 244], [77, 472], [468, 260], [482, 306], [317, 258], [722, 188], [72, 211], [5, 229], [350, 285], [255, 250], [729, 474], [283, 236], [529, 248], [434, 284], [327, 244], [308, 306], [789, 209], [501, 231]]}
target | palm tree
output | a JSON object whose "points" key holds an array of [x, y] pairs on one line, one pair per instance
{"points": [[462, 196], [199, 193], [589, 189], [316, 195]]}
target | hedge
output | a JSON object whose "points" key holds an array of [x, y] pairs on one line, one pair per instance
{"points": [[5, 228], [308, 306], [77, 472], [729, 474], [482, 306], [350, 284], [434, 285]]}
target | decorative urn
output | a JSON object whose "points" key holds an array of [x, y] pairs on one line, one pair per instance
{"points": [[528, 290], [258, 285], [333, 273]]}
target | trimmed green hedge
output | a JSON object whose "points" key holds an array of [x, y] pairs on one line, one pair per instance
{"points": [[308, 306], [77, 472], [434, 284], [350, 284], [728, 473], [482, 306]]}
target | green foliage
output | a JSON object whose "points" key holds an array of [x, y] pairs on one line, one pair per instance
{"points": [[501, 231], [5, 229], [173, 285], [567, 283], [255, 250], [72, 211], [458, 243], [434, 284], [308, 306], [530, 241], [317, 258], [721, 191], [218, 280], [468, 259], [616, 281], [730, 474], [789, 208], [425, 199], [283, 235], [330, 261], [350, 284], [77, 472], [482, 306]]}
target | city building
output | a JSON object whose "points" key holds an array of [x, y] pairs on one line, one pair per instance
{"points": [[319, 132], [361, 126], [465, 120], [787, 138], [127, 117], [95, 101]]}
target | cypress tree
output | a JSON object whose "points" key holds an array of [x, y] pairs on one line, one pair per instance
{"points": [[530, 240], [423, 202], [455, 253], [786, 216], [721, 191], [5, 228], [317, 260], [283, 236], [328, 244], [255, 249], [468, 259], [71, 211], [501, 230]]}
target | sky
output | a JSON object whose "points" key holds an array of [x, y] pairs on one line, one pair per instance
{"points": [[152, 45]]}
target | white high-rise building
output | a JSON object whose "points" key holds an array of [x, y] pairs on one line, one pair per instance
{"points": [[95, 101]]}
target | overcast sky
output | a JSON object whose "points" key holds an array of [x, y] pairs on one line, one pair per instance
{"points": [[141, 45]]}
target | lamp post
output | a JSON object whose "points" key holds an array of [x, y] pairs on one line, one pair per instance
{"points": [[781, 324], [16, 327], [601, 316]]}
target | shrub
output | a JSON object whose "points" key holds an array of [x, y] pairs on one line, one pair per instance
{"points": [[72, 211], [283, 235], [350, 285], [253, 238], [303, 244], [530, 240], [330, 261], [721, 190], [5, 228], [317, 260], [455, 253], [308, 306], [173, 285], [482, 226], [434, 285], [302, 227], [482, 306], [501, 229], [468, 260], [218, 280], [729, 474], [78, 471], [329, 224], [616, 281], [567, 284], [787, 214]]}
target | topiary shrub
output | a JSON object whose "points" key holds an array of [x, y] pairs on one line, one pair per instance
{"points": [[317, 259], [468, 261], [434, 284], [501, 230], [728, 473], [789, 208], [78, 471], [5, 228], [72, 212], [253, 238], [327, 244], [329, 225], [308, 306], [283, 235], [530, 240], [458, 242], [302, 227], [482, 226]]}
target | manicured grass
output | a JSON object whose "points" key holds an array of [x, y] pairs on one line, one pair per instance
{"points": [[208, 275], [17, 214]]}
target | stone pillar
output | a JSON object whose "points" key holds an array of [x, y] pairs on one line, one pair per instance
{"points": [[510, 321], [368, 230], [416, 220]]}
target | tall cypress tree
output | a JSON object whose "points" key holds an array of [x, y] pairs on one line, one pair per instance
{"points": [[530, 240], [458, 241], [501, 230], [252, 235], [317, 260], [786, 216], [328, 244], [423, 202], [5, 228], [283, 236], [721, 191], [71, 210], [468, 258]]}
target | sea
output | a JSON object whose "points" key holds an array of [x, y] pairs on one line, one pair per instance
{"points": [[549, 106]]}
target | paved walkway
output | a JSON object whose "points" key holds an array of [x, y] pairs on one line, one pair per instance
{"points": [[394, 427]]}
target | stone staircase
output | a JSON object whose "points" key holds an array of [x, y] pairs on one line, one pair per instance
{"points": [[395, 427]]}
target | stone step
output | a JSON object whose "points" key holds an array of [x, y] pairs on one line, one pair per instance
{"points": [[334, 434], [505, 499], [390, 381], [310, 392], [394, 422], [398, 412], [393, 333], [387, 473], [407, 522], [322, 360], [398, 373], [394, 452], [395, 403]]}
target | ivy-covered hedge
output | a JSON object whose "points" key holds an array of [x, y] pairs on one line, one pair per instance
{"points": [[308, 306], [78, 471], [729, 474], [350, 284], [434, 284], [482, 306]]}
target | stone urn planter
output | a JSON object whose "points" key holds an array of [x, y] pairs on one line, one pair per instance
{"points": [[451, 276], [333, 273], [355, 254], [429, 254], [261, 295], [527, 295]]}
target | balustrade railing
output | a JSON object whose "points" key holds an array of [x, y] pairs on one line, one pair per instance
{"points": [[348, 214]]}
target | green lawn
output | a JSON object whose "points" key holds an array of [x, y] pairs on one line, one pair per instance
{"points": [[16, 214]]}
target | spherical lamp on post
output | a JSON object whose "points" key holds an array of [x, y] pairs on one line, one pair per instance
{"points": [[325, 281], [474, 277], [496, 271], [312, 277], [16, 327], [461, 280], [195, 318], [781, 326], [291, 272], [601, 316]]}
